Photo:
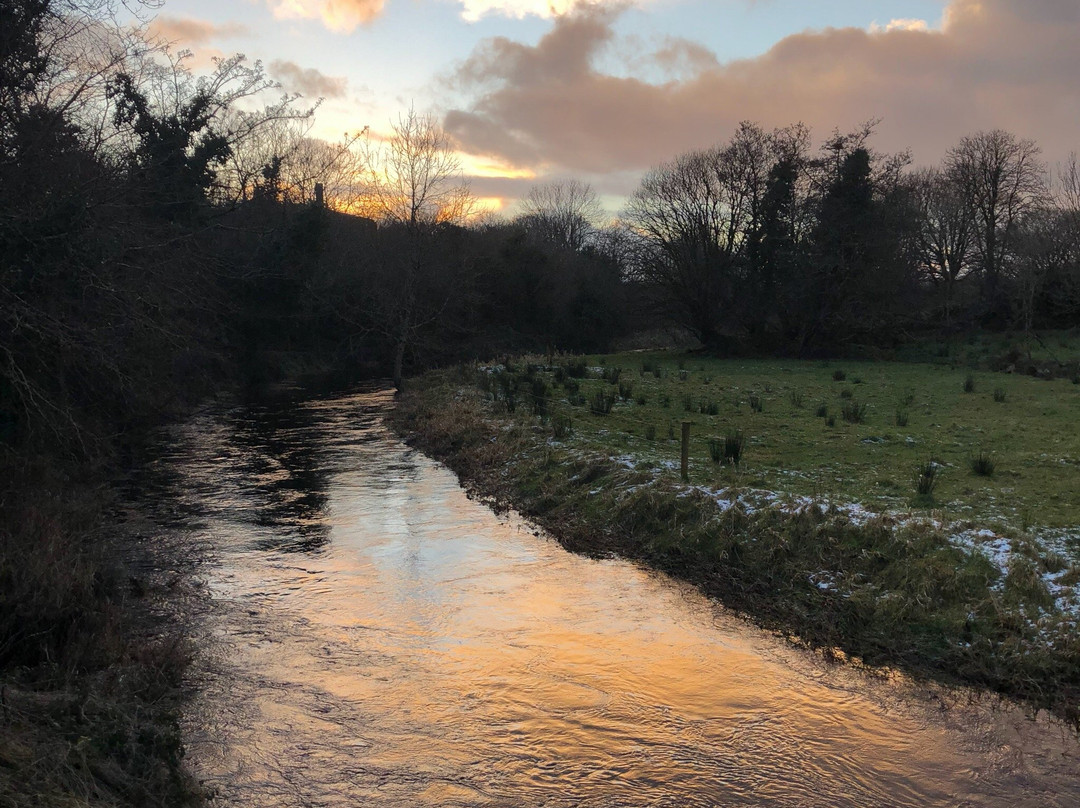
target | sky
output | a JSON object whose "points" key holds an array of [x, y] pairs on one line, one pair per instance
{"points": [[535, 90]]}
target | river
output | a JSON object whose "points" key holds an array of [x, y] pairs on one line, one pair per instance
{"points": [[376, 638]]}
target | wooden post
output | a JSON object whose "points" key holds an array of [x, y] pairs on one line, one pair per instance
{"points": [[686, 451]]}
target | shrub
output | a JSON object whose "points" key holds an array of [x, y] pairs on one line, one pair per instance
{"points": [[626, 390], [838, 375], [854, 412], [982, 464], [901, 417], [797, 399], [756, 404], [561, 426], [969, 384], [822, 410], [999, 395], [601, 403]]}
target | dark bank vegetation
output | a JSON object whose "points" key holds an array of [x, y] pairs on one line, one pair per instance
{"points": [[165, 237], [920, 572]]}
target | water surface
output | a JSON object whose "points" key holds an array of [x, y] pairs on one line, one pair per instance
{"points": [[380, 639]]}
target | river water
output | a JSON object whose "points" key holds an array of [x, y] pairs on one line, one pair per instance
{"points": [[378, 639]]}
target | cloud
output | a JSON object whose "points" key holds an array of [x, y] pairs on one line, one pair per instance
{"points": [[190, 31], [308, 81], [337, 15], [902, 24], [993, 63], [473, 10]]}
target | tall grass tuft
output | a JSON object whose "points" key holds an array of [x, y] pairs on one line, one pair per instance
{"points": [[982, 464], [838, 375], [561, 427], [902, 418], [797, 399], [926, 479], [969, 384], [734, 442], [999, 395], [853, 412], [601, 403], [626, 390], [822, 410], [756, 404], [709, 408]]}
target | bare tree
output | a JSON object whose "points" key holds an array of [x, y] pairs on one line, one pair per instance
{"points": [[416, 189], [415, 175], [945, 233], [1001, 179], [565, 213]]}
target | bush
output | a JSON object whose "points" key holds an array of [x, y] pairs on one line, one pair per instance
{"points": [[838, 375], [854, 412], [601, 403], [982, 464]]}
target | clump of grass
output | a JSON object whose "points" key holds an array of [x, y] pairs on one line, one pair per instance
{"points": [[577, 369], [626, 390], [734, 442], [709, 408], [650, 432], [601, 403], [822, 410], [716, 449], [926, 480], [648, 366], [982, 464], [641, 400], [756, 404], [830, 420], [838, 375], [902, 418], [847, 393], [853, 412], [797, 399], [538, 396], [665, 401], [683, 375], [559, 374], [561, 427], [969, 384], [856, 380], [999, 395], [576, 399], [611, 375], [688, 402]]}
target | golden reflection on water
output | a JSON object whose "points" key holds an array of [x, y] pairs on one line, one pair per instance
{"points": [[425, 652]]}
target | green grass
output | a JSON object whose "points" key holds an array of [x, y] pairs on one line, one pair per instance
{"points": [[789, 448]]}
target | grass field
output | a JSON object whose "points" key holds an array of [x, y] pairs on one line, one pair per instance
{"points": [[821, 529], [910, 414]]}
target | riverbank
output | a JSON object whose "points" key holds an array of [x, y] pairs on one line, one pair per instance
{"points": [[972, 601], [93, 647]]}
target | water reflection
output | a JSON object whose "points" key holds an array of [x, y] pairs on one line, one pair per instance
{"points": [[422, 651]]}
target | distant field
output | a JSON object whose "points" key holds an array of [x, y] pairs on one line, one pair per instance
{"points": [[1031, 436]]}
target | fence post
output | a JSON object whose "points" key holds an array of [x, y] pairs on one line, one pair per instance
{"points": [[686, 451]]}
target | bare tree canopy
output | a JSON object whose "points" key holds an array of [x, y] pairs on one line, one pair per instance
{"points": [[564, 212]]}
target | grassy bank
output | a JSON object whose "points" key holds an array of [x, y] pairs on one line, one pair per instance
{"points": [[92, 651], [909, 515]]}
